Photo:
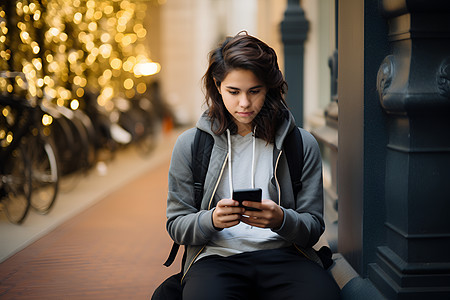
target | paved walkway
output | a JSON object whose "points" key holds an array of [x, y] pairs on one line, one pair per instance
{"points": [[112, 250]]}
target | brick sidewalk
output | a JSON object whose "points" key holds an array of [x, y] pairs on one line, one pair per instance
{"points": [[113, 250]]}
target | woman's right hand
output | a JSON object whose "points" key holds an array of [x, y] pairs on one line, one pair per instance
{"points": [[227, 213]]}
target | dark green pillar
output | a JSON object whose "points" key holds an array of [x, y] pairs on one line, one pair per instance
{"points": [[414, 89], [294, 29]]}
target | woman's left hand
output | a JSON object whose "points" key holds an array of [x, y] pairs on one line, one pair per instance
{"points": [[269, 216]]}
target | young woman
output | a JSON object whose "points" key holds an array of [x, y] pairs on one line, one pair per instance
{"points": [[234, 252]]}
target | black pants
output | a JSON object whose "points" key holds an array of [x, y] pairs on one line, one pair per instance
{"points": [[267, 274]]}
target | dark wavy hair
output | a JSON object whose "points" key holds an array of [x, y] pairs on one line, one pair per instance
{"points": [[244, 51]]}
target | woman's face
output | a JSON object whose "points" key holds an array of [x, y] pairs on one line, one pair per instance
{"points": [[243, 95]]}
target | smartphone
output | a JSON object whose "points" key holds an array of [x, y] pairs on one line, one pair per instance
{"points": [[248, 195]]}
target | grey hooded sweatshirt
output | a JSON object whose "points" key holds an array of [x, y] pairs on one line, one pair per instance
{"points": [[303, 216]]}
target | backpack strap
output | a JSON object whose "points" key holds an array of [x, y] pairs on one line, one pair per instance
{"points": [[172, 254], [201, 154], [293, 147]]}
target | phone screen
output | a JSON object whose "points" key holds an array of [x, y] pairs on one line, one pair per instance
{"points": [[248, 195]]}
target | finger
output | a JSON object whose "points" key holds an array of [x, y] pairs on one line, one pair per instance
{"points": [[252, 221], [229, 218], [253, 213], [231, 210], [227, 202], [252, 204]]}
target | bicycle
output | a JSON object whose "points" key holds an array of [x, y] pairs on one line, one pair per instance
{"points": [[15, 168], [26, 146]]}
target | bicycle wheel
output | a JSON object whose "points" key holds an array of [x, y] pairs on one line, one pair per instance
{"points": [[17, 186], [44, 175], [65, 142]]}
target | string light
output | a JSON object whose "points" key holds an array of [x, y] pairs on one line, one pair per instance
{"points": [[66, 46]]}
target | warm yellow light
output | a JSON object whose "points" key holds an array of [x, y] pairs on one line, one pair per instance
{"points": [[90, 59], [21, 26], [24, 36], [127, 40], [116, 64], [77, 17], [92, 26], [37, 63], [128, 84], [50, 92], [98, 15], [105, 37], [90, 4], [74, 104], [109, 9], [121, 28], [9, 137], [105, 50], [95, 51], [63, 93], [47, 120], [141, 33], [118, 37], [54, 31], [90, 45], [72, 58], [101, 100], [107, 74], [53, 66], [48, 80], [37, 15], [77, 80], [49, 58], [102, 81], [108, 92], [80, 92], [141, 88], [20, 82], [35, 47], [128, 66], [147, 68], [63, 36]]}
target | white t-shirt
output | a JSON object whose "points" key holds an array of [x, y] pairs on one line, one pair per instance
{"points": [[242, 237]]}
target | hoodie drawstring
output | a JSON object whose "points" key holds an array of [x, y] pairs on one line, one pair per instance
{"points": [[230, 176]]}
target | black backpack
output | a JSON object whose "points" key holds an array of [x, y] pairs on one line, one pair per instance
{"points": [[201, 154]]}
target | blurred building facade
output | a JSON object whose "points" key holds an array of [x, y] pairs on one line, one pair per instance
{"points": [[190, 29]]}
